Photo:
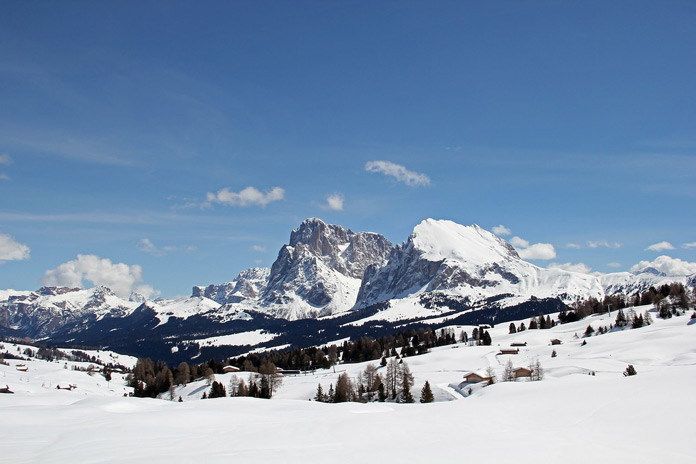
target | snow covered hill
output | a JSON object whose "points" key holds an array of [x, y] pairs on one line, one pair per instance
{"points": [[584, 408]]}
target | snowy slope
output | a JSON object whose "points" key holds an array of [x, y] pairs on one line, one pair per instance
{"points": [[570, 416], [470, 263]]}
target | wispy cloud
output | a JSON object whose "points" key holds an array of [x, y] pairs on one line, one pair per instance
{"points": [[398, 172], [689, 245], [137, 217], [543, 251], [6, 161], [122, 279], [70, 147], [334, 202], [258, 248], [573, 245], [660, 246], [501, 230], [145, 245], [614, 264], [12, 250], [250, 196], [603, 244]]}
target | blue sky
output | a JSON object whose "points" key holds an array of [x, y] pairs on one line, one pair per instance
{"points": [[172, 144]]}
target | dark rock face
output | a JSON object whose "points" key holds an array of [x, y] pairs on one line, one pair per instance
{"points": [[306, 267], [406, 270]]}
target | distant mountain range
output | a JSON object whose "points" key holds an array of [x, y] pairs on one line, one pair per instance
{"points": [[326, 284]]}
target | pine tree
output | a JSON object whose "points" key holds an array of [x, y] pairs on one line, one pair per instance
{"points": [[405, 382], [331, 397], [320, 396], [512, 328], [381, 394], [630, 370], [427, 394], [647, 319], [621, 319], [217, 390]]}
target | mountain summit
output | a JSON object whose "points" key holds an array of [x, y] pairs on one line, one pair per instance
{"points": [[469, 264]]}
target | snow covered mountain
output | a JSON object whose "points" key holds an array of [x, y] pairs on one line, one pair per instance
{"points": [[470, 265], [326, 283], [317, 274], [51, 309]]}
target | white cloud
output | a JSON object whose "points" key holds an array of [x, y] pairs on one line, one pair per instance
{"points": [[258, 248], [667, 265], [518, 242], [689, 245], [602, 244], [579, 267], [501, 230], [399, 172], [533, 251], [11, 250], [660, 246], [147, 246], [613, 264], [538, 251], [334, 202], [249, 196], [573, 245], [122, 279], [4, 176]]}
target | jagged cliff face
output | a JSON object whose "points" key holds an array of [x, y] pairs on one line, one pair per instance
{"points": [[248, 285], [467, 262], [319, 272]]}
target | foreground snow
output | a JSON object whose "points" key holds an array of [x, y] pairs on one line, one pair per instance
{"points": [[568, 417]]}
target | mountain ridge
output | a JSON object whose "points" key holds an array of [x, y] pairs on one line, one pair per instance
{"points": [[326, 280]]}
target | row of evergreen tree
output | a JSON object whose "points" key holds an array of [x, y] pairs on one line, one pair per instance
{"points": [[406, 343], [370, 385], [151, 378], [666, 299]]}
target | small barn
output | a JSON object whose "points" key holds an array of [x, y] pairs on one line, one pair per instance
{"points": [[522, 372], [510, 351], [473, 377], [518, 344], [555, 341], [228, 369]]}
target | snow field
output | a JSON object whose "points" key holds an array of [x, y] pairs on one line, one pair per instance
{"points": [[570, 416]]}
